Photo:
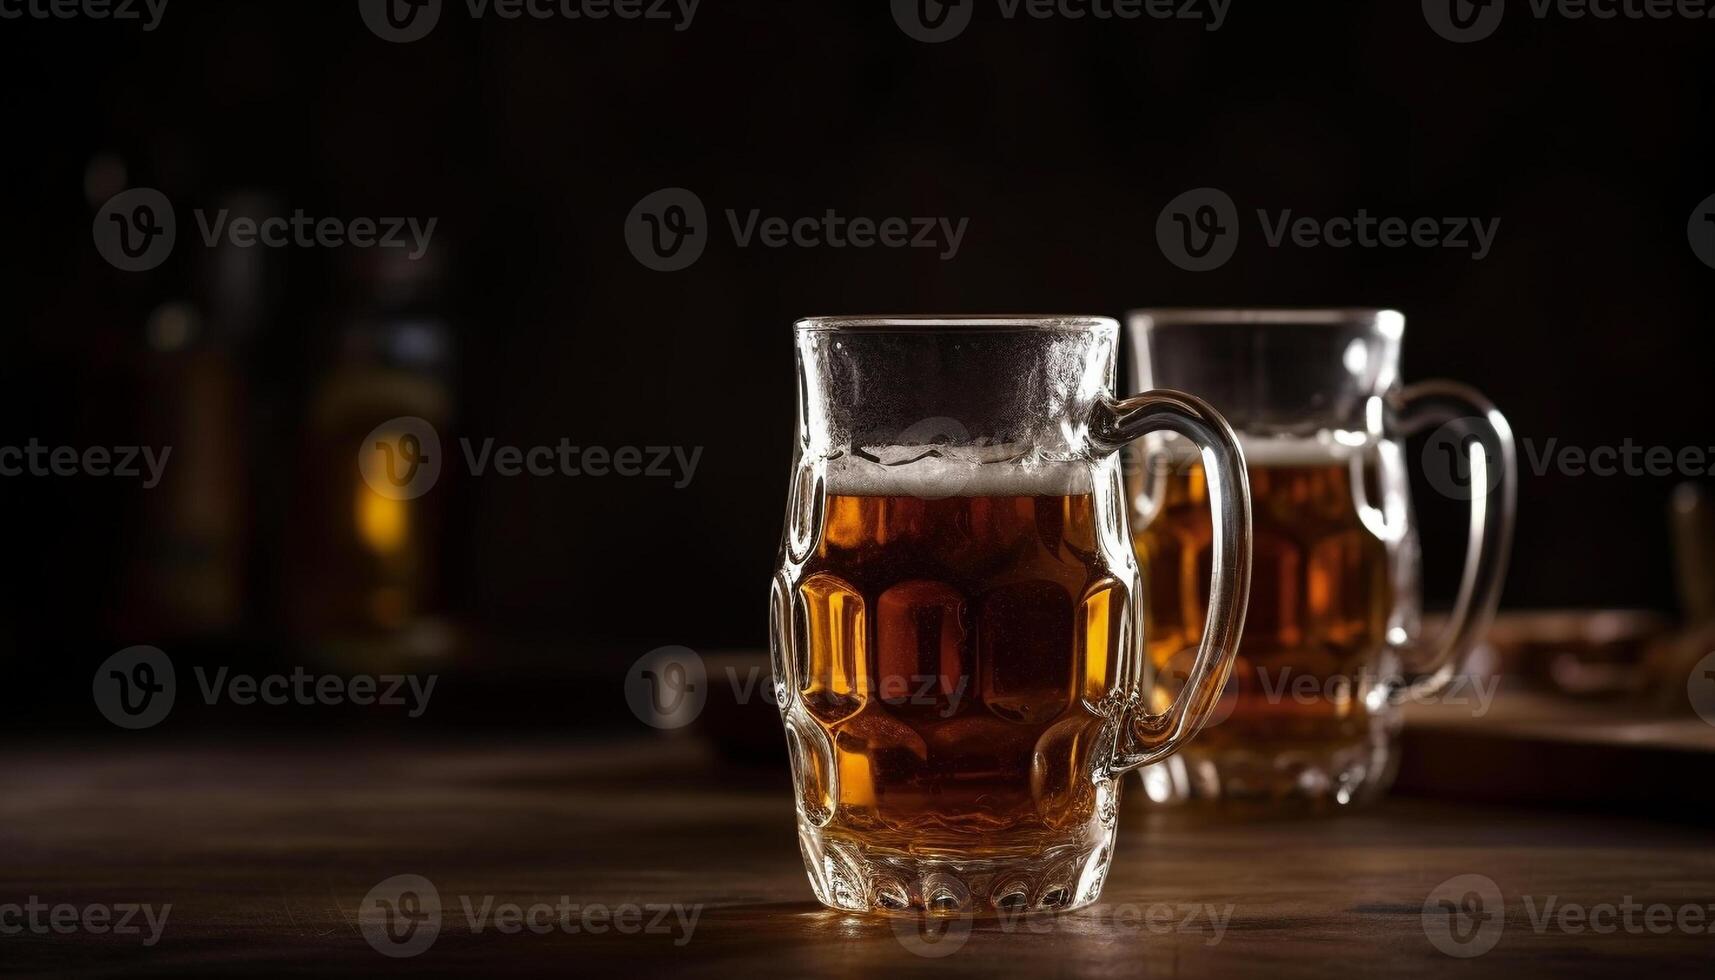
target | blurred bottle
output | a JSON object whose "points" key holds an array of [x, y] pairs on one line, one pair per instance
{"points": [[363, 586], [187, 575]]}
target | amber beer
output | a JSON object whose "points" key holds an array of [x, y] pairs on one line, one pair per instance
{"points": [[1320, 601], [960, 649]]}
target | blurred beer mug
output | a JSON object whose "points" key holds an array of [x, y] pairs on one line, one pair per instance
{"points": [[954, 623], [1332, 645]]}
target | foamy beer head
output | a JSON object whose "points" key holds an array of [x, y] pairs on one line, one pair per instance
{"points": [[934, 477]]}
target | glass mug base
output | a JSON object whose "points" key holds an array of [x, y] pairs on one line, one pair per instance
{"points": [[854, 874], [1278, 776]]}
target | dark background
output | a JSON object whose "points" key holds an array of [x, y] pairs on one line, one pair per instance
{"points": [[1061, 140]]}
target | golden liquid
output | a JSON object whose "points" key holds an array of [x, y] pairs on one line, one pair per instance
{"points": [[958, 653], [1321, 595]]}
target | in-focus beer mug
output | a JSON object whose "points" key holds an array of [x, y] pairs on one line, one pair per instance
{"points": [[1332, 644], [957, 652]]}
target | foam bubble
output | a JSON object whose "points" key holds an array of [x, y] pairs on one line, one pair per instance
{"points": [[936, 477]]}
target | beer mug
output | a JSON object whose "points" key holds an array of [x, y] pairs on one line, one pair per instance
{"points": [[1332, 645], [956, 647]]}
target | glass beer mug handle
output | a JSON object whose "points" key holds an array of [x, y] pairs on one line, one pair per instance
{"points": [[1149, 738], [1470, 456]]}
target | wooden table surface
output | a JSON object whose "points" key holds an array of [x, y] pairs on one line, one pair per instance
{"points": [[266, 852]]}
